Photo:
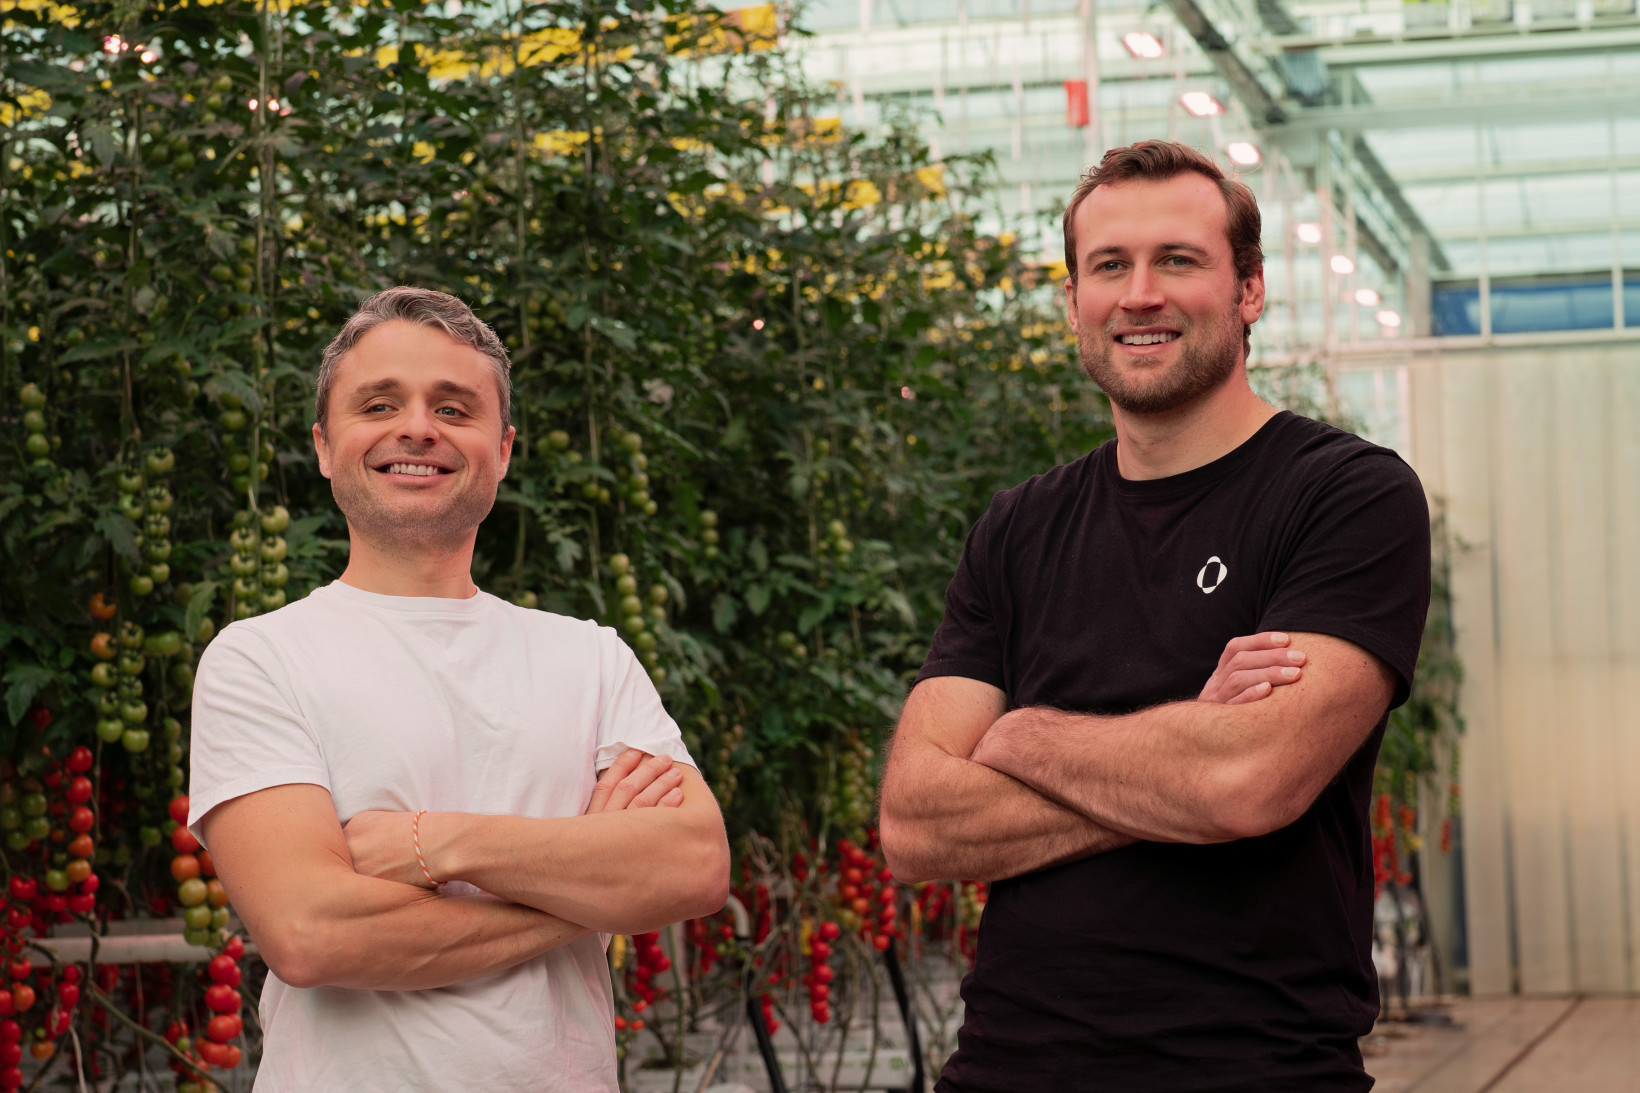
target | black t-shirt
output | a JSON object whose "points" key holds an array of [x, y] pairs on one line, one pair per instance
{"points": [[1161, 966]]}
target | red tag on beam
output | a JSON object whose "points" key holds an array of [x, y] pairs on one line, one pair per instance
{"points": [[1076, 103]]}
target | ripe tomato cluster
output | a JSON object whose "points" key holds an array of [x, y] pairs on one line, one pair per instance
{"points": [[212, 1047], [867, 892], [1386, 857], [649, 961], [204, 900], [820, 975], [27, 984]]}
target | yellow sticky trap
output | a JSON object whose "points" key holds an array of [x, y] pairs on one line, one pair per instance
{"points": [[617, 951], [805, 937]]}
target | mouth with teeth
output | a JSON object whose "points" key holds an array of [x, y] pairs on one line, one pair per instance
{"points": [[414, 470], [1158, 338]]}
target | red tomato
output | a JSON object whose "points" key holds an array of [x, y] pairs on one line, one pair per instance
{"points": [[10, 1054], [234, 948], [880, 942], [82, 819], [224, 1027], [213, 1052], [179, 808], [102, 646], [207, 867], [43, 1049], [224, 969], [184, 840], [100, 608], [221, 998], [21, 968], [80, 760], [184, 867], [829, 931], [819, 993], [819, 950], [23, 888], [22, 996], [620, 1024], [79, 790], [81, 846], [7, 1006], [11, 1031]]}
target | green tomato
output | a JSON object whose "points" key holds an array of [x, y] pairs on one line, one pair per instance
{"points": [[121, 855], [182, 677], [620, 564], [273, 599], [158, 550], [135, 740], [37, 445], [172, 729], [131, 664], [644, 642], [110, 729], [167, 643], [274, 550], [232, 421], [219, 919], [278, 576], [108, 704], [37, 828], [658, 594], [201, 938], [134, 713], [557, 440], [149, 836], [34, 421], [631, 605], [708, 518], [207, 630], [142, 585], [56, 880], [160, 461], [276, 520], [176, 778], [33, 804], [8, 794], [130, 482], [102, 674], [239, 462], [627, 584], [11, 818], [244, 565], [197, 917], [158, 573], [17, 840], [159, 499], [32, 397], [633, 624], [192, 892]]}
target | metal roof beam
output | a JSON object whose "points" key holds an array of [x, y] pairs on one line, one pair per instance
{"points": [[1262, 106], [1476, 43], [1517, 105], [1446, 174]]}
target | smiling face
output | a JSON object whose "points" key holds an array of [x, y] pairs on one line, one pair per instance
{"points": [[1158, 311], [414, 447]]}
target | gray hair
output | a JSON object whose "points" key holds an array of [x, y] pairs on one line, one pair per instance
{"points": [[424, 307]]}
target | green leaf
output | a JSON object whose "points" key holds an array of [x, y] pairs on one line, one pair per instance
{"points": [[724, 612], [757, 598], [616, 331], [121, 534], [198, 604], [25, 682]]}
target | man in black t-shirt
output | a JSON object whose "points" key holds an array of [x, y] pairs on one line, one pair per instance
{"points": [[1151, 713]]}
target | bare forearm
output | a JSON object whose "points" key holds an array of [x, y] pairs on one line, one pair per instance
{"points": [[370, 934], [618, 872], [948, 817]]}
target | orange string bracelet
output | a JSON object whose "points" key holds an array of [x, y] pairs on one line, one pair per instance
{"points": [[415, 839]]}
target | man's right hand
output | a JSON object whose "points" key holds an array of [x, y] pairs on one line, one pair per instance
{"points": [[637, 779], [1252, 667]]}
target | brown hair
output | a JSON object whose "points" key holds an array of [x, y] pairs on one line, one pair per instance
{"points": [[1158, 161], [424, 307]]}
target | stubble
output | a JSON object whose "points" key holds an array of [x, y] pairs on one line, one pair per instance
{"points": [[1200, 368]]}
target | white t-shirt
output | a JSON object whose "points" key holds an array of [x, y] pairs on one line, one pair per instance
{"points": [[406, 703]]}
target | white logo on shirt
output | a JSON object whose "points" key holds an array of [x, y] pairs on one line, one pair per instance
{"points": [[1207, 583]]}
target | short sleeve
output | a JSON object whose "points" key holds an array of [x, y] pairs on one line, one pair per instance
{"points": [[247, 735], [632, 715], [968, 642], [1360, 567]]}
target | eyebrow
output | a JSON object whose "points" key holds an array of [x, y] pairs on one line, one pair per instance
{"points": [[441, 388], [1104, 252]]}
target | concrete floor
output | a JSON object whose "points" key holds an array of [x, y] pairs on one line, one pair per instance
{"points": [[1511, 1045]]}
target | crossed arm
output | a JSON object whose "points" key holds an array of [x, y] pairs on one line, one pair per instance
{"points": [[975, 792], [352, 909]]}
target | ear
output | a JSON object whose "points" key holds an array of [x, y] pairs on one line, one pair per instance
{"points": [[506, 451], [1070, 304], [321, 448], [1252, 298]]}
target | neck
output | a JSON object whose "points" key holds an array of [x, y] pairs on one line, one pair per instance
{"points": [[1190, 436], [410, 569]]}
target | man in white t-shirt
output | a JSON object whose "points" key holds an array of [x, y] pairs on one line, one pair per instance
{"points": [[400, 704]]}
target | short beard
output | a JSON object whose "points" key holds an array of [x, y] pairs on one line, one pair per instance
{"points": [[443, 530], [1199, 369]]}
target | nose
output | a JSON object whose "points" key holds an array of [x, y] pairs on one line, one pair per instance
{"points": [[1142, 291], [418, 425]]}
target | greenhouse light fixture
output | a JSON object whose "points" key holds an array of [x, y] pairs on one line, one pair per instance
{"points": [[1366, 297], [1342, 264], [1142, 44], [1244, 153], [1200, 103], [1308, 233], [1390, 319]]}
